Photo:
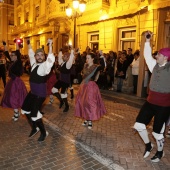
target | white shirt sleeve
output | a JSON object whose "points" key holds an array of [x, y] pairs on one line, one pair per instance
{"points": [[45, 67], [31, 55], [70, 61], [150, 61]]}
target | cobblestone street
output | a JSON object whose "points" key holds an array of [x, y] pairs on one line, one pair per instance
{"points": [[112, 143]]}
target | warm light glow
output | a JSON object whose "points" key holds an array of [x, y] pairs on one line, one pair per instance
{"points": [[104, 17], [150, 7], [82, 6], [68, 11], [40, 32], [75, 4], [142, 7], [70, 42]]}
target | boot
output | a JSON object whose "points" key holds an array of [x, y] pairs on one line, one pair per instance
{"points": [[29, 119], [60, 99], [66, 105], [72, 93], [34, 130], [33, 125], [44, 134]]}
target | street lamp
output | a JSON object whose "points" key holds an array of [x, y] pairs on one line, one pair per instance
{"points": [[74, 12]]}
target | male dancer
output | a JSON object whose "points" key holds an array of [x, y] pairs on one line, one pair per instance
{"points": [[158, 100], [40, 68], [65, 60]]}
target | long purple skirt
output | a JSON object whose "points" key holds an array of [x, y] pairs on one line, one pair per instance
{"points": [[14, 94], [88, 103]]}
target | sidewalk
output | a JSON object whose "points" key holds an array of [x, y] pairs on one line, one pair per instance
{"points": [[129, 99]]}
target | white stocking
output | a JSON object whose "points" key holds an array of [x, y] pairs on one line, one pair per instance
{"points": [[144, 135]]}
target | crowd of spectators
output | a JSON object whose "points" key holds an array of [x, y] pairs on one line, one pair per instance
{"points": [[114, 67]]}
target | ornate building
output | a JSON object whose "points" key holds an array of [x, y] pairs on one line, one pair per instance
{"points": [[105, 24]]}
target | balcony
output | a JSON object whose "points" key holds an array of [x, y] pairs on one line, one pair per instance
{"points": [[22, 28], [57, 12], [42, 20]]}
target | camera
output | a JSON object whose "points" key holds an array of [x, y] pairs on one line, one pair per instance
{"points": [[148, 36]]}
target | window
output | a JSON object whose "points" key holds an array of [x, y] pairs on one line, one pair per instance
{"points": [[127, 37], [93, 41], [37, 12], [26, 16]]}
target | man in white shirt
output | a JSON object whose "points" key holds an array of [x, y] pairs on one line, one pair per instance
{"points": [[40, 68]]}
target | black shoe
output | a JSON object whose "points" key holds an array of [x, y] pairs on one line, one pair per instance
{"points": [[148, 150], [61, 104], [42, 137], [158, 156], [119, 91], [16, 116], [34, 132], [89, 124], [84, 123], [66, 109]]}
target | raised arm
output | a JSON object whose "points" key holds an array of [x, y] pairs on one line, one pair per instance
{"points": [[50, 53], [60, 55], [71, 59], [31, 53], [46, 66], [150, 61], [50, 42]]}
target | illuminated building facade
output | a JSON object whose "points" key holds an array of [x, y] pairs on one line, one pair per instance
{"points": [[105, 25]]}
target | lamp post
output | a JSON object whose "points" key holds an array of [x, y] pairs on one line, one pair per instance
{"points": [[74, 12]]}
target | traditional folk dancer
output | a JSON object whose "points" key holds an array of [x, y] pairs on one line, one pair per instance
{"points": [[40, 68], [65, 60], [158, 100], [88, 103], [15, 90]]}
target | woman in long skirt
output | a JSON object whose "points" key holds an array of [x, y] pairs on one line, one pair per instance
{"points": [[88, 103], [15, 90]]}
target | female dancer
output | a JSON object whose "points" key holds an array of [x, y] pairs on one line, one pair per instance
{"points": [[15, 90], [88, 103]]}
